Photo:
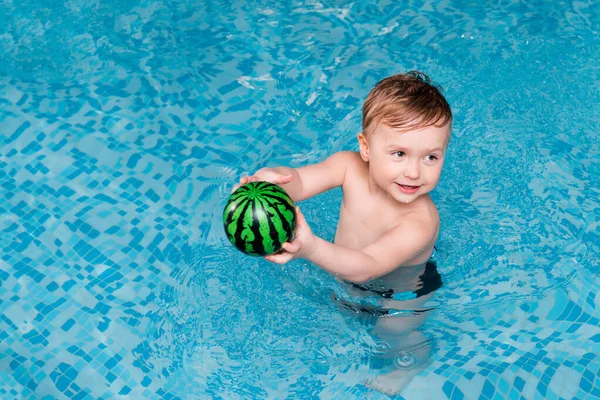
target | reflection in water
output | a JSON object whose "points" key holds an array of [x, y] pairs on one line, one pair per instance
{"points": [[393, 306]]}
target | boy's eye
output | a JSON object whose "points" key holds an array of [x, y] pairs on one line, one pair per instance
{"points": [[398, 154], [431, 157]]}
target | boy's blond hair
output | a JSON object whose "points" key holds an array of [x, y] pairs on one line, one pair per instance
{"points": [[405, 101]]}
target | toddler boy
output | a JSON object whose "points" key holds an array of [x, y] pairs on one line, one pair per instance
{"points": [[388, 223]]}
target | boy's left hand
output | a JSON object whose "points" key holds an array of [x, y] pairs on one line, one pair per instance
{"points": [[302, 245]]}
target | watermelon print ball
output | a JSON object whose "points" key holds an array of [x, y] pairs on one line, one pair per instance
{"points": [[258, 218]]}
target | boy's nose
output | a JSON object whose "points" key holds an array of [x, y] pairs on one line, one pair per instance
{"points": [[412, 172]]}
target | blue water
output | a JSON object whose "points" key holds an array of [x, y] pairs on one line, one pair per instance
{"points": [[124, 125]]}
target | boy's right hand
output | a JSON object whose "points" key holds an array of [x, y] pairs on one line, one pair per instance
{"points": [[265, 174]]}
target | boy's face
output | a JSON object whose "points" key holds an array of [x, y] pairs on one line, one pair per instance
{"points": [[406, 164]]}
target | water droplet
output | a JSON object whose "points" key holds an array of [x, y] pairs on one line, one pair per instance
{"points": [[381, 348], [405, 359]]}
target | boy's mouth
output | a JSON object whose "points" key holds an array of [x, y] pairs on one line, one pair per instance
{"points": [[408, 189]]}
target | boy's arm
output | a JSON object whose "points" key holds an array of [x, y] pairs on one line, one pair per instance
{"points": [[302, 183], [397, 247]]}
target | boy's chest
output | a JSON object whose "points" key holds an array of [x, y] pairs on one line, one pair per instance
{"points": [[362, 222]]}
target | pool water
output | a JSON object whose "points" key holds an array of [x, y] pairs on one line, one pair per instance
{"points": [[124, 126]]}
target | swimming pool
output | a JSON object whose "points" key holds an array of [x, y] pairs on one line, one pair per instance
{"points": [[125, 124]]}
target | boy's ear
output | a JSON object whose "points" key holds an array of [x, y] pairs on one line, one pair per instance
{"points": [[363, 146]]}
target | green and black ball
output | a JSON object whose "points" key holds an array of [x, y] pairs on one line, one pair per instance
{"points": [[259, 218]]}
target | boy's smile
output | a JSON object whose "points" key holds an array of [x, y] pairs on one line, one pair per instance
{"points": [[408, 189], [404, 164]]}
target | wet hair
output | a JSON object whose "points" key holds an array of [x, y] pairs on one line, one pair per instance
{"points": [[405, 102]]}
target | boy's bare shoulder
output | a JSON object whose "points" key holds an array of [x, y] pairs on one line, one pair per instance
{"points": [[423, 207], [423, 214], [348, 157], [351, 162], [354, 163]]}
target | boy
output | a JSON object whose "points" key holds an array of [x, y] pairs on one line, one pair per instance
{"points": [[388, 223]]}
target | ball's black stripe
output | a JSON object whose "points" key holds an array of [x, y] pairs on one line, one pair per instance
{"points": [[259, 247], [279, 195], [276, 190], [228, 216], [240, 192], [272, 230], [239, 242], [279, 199], [229, 203], [263, 184], [238, 202], [286, 225]]}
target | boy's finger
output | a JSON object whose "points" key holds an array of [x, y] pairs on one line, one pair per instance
{"points": [[286, 178], [277, 258], [270, 258], [291, 247]]}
